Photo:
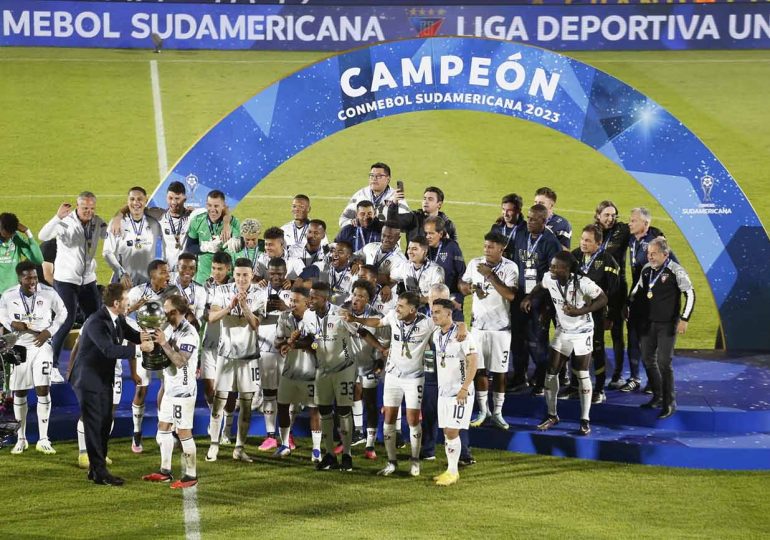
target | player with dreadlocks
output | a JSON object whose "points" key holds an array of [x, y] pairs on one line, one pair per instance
{"points": [[574, 297]]}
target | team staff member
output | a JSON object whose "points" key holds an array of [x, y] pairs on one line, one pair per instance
{"points": [[657, 301], [365, 229], [94, 371], [412, 223], [510, 223], [615, 236], [77, 233], [446, 253], [555, 223], [533, 252]]}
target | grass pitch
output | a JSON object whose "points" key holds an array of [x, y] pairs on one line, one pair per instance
{"points": [[504, 495]]}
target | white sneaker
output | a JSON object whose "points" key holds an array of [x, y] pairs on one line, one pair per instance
{"points": [[414, 468], [44, 446], [389, 469], [213, 452], [225, 440], [20, 446], [500, 422], [240, 455], [56, 377]]}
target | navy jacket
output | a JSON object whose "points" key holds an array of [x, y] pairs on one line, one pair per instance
{"points": [[99, 347]]}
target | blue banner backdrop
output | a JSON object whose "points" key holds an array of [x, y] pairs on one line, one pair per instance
{"points": [[335, 28], [521, 82]]}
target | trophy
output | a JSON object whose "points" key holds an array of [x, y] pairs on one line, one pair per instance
{"points": [[151, 318]]}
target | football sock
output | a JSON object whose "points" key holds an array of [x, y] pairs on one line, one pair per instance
{"points": [[269, 409], [137, 413], [452, 448], [415, 433], [327, 428], [316, 437], [358, 415], [43, 413], [371, 437], [551, 391], [346, 431], [389, 437], [586, 389], [215, 423], [166, 444], [482, 400], [81, 437], [20, 413], [498, 398], [228, 429], [285, 431], [189, 458], [244, 418]]}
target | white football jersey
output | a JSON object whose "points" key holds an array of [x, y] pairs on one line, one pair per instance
{"points": [[174, 235], [195, 294], [379, 202], [340, 282], [180, 381], [492, 312], [574, 296], [213, 330], [381, 305], [299, 365], [268, 326], [332, 335], [318, 258], [294, 266], [384, 262], [450, 360], [237, 339], [418, 280], [407, 345], [134, 248], [297, 236], [36, 311], [363, 353]]}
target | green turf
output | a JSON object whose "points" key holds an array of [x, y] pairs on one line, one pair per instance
{"points": [[83, 119], [504, 495]]}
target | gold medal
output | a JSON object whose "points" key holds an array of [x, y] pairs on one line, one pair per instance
{"points": [[649, 294]]}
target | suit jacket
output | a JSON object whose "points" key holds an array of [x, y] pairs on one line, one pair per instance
{"points": [[100, 345]]}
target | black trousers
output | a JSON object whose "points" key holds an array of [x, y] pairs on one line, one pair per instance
{"points": [[85, 296], [96, 410], [657, 342]]}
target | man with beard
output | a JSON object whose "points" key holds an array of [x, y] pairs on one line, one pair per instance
{"points": [[419, 273], [205, 235], [364, 230], [510, 222]]}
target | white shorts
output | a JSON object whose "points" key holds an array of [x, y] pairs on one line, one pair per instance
{"points": [[566, 344], [178, 411], [494, 347], [396, 389], [35, 371], [270, 367], [453, 415], [339, 387], [145, 375], [369, 379], [208, 364], [117, 387], [296, 392], [237, 375]]}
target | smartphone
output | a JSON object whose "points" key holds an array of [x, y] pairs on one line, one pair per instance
{"points": [[400, 186]]}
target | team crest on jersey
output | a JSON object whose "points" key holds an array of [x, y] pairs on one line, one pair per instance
{"points": [[598, 264], [166, 231], [442, 256], [663, 278], [39, 302]]}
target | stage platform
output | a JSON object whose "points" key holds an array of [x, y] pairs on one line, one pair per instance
{"points": [[722, 421]]}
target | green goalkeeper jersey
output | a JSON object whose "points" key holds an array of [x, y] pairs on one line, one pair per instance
{"points": [[203, 230]]}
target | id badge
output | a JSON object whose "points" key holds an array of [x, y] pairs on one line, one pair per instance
{"points": [[530, 279]]}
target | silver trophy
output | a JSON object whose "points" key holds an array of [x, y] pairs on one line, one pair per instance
{"points": [[151, 318], [707, 184]]}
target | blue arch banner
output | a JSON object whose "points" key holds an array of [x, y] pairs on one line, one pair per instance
{"points": [[519, 81]]}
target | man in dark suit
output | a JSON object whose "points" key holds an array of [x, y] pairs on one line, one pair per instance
{"points": [[100, 345]]}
